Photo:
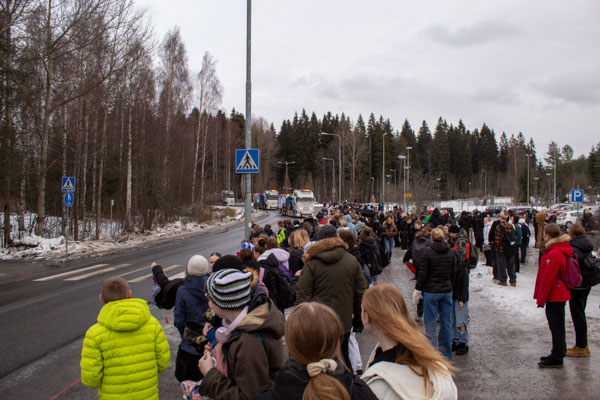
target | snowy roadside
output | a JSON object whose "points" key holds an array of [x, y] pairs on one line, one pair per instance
{"points": [[35, 247], [519, 300]]}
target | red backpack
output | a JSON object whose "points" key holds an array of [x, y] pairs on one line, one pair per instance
{"points": [[572, 275]]}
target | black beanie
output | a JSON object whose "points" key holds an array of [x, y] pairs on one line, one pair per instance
{"points": [[454, 229], [227, 261], [326, 231]]}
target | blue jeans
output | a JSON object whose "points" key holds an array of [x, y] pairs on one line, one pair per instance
{"points": [[434, 304], [460, 317], [389, 245]]}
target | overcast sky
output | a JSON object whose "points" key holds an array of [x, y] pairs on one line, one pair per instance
{"points": [[531, 66]]}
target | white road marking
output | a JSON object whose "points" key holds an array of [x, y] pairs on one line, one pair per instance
{"points": [[69, 273], [80, 277], [141, 278]]}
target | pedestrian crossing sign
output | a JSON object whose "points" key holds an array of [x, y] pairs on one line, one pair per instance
{"points": [[246, 161], [68, 184]]}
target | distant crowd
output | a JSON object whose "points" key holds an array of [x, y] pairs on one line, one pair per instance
{"points": [[324, 271]]}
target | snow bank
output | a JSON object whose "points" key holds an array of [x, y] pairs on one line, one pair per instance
{"points": [[33, 246]]}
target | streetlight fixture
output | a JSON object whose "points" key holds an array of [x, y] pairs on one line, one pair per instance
{"points": [[332, 175], [285, 178], [548, 174], [470, 195], [339, 191]]}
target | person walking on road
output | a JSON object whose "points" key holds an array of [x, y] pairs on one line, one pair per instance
{"points": [[551, 291], [403, 364], [505, 242], [583, 248], [389, 232], [434, 285]]}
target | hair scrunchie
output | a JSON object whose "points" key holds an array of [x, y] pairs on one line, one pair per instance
{"points": [[325, 365]]}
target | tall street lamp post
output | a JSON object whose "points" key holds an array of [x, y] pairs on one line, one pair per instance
{"points": [[332, 174], [339, 189], [528, 199], [402, 158], [285, 178], [408, 149], [395, 186]]}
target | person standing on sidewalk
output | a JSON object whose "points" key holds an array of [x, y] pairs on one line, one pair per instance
{"points": [[551, 291], [434, 285], [582, 247], [505, 245]]}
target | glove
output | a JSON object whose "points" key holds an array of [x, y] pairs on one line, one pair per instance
{"points": [[417, 295]]}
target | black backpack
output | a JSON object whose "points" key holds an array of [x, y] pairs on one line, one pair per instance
{"points": [[281, 289], [590, 271], [371, 258], [526, 232]]}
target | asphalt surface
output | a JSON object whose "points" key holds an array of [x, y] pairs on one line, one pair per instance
{"points": [[43, 323]]}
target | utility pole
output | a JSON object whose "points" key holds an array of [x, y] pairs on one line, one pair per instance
{"points": [[332, 174], [383, 167], [339, 189], [554, 197], [528, 199], [408, 148], [285, 178], [248, 203], [403, 170]]}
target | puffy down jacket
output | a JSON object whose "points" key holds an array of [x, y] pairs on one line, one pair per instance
{"points": [[124, 352]]}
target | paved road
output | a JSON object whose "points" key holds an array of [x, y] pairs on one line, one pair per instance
{"points": [[42, 330]]}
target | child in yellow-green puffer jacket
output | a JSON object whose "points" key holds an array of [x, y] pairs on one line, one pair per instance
{"points": [[124, 352]]}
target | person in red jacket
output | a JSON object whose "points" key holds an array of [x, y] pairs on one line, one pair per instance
{"points": [[552, 292]]}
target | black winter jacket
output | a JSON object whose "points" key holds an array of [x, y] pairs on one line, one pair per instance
{"points": [[293, 378], [438, 270], [416, 251], [460, 289], [270, 279], [581, 247], [296, 262]]}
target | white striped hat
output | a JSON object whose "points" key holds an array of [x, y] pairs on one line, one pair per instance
{"points": [[229, 289]]}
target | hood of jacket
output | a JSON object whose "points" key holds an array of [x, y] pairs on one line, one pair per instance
{"points": [[196, 284], [407, 384], [561, 244], [329, 250], [282, 255], [440, 247], [293, 379], [124, 315], [370, 243], [582, 243], [265, 318]]}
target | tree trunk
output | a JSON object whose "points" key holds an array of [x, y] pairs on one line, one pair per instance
{"points": [[100, 171], [203, 162], [129, 170], [197, 137]]}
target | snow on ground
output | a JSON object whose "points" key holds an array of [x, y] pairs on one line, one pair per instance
{"points": [[519, 300], [32, 246]]}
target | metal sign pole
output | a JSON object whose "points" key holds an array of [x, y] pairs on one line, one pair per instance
{"points": [[67, 234], [248, 202]]}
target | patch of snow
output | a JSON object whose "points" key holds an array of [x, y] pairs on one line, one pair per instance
{"points": [[32, 246]]}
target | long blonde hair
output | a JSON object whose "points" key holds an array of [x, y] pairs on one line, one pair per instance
{"points": [[298, 239], [312, 334], [386, 308]]}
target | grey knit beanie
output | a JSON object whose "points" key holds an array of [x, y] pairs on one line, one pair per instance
{"points": [[229, 289]]}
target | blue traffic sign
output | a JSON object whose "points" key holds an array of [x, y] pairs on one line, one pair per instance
{"points": [[69, 199], [246, 161], [577, 196], [68, 184]]}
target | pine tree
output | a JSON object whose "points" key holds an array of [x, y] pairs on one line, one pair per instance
{"points": [[424, 150]]}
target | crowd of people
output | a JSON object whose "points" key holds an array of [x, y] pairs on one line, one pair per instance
{"points": [[230, 309]]}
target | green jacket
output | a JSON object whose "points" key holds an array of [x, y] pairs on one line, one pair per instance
{"points": [[333, 277], [124, 352]]}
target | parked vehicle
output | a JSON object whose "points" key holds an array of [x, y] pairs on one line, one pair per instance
{"points": [[568, 218], [227, 198]]}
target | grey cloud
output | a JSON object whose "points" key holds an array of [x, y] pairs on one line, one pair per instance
{"points": [[477, 34], [498, 95], [578, 88]]}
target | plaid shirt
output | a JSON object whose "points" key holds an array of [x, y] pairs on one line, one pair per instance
{"points": [[500, 238]]}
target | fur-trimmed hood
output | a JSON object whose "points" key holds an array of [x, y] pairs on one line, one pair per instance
{"points": [[325, 245], [560, 239]]}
